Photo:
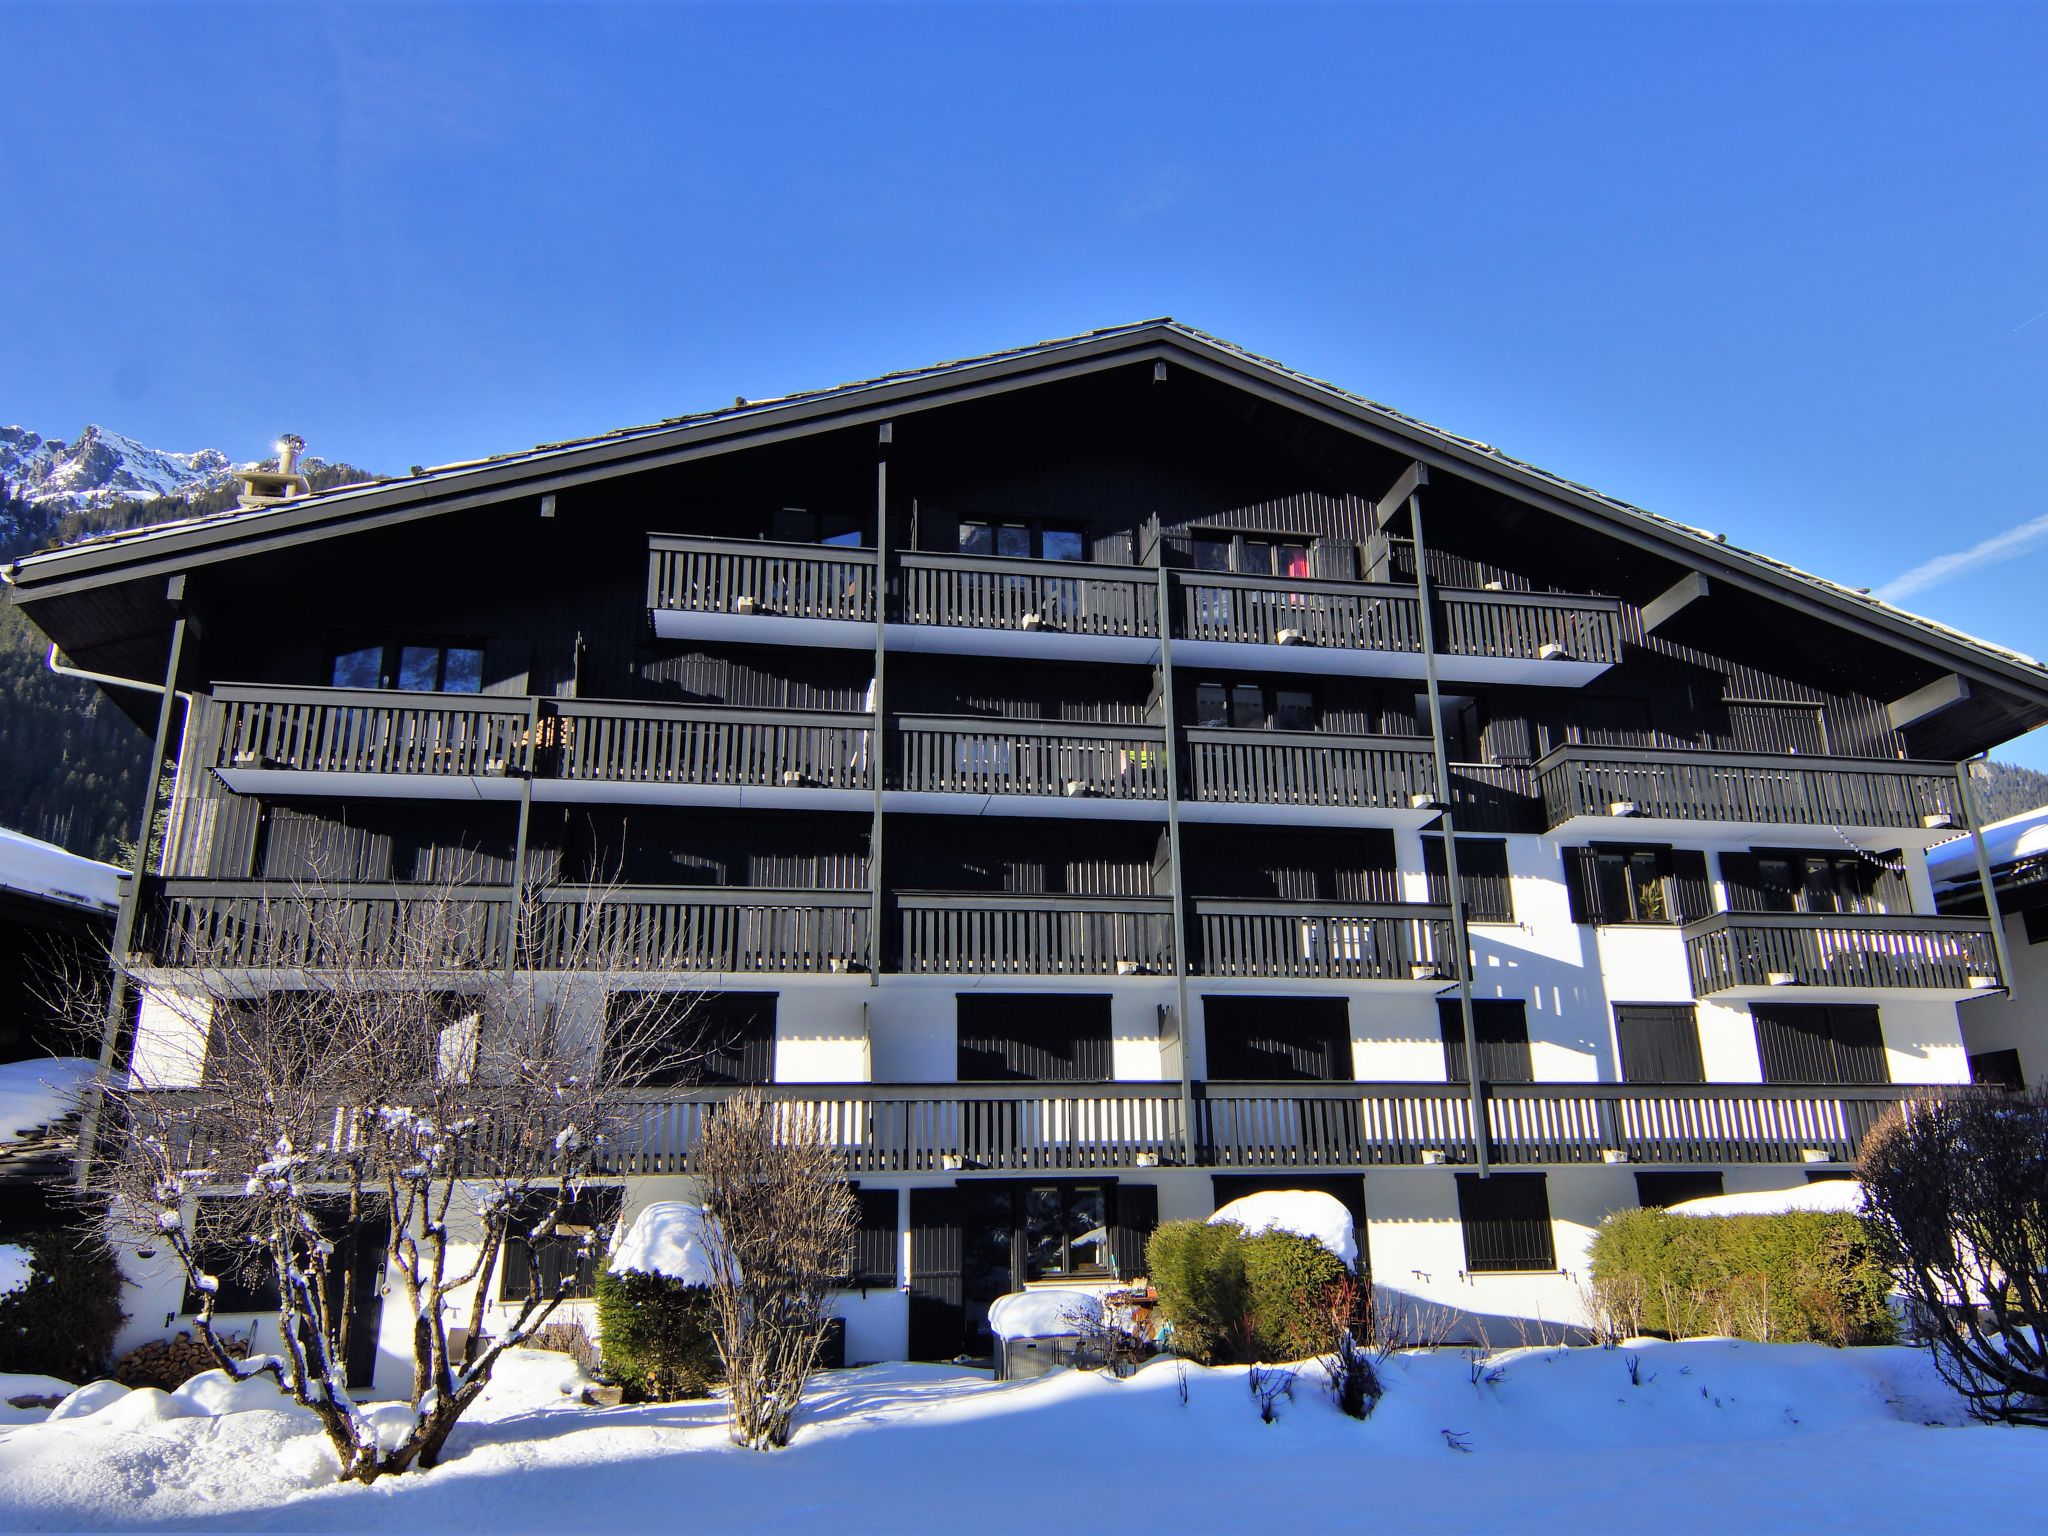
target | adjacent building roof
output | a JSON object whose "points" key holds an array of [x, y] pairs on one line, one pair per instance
{"points": [[44, 872], [2014, 841]]}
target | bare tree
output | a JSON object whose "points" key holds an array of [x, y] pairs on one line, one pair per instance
{"points": [[1956, 1191], [343, 1059], [780, 1240]]}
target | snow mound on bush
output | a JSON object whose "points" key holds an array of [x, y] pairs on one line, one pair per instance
{"points": [[1306, 1213], [88, 1400], [1844, 1195], [667, 1238], [216, 1392], [17, 1268], [1041, 1314]]}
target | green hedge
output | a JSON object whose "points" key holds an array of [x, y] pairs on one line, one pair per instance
{"points": [[1231, 1297], [63, 1322], [1800, 1276], [655, 1336]]}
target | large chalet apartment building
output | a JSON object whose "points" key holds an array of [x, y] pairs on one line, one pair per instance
{"points": [[1129, 771]]}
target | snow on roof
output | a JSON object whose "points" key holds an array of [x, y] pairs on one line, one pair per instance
{"points": [[49, 873], [1043, 1314], [1306, 1213], [40, 1092], [667, 1238], [2024, 836], [1825, 1195]]}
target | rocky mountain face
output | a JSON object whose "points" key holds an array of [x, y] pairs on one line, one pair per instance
{"points": [[98, 466]]}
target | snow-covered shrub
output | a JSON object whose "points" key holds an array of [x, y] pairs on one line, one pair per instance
{"points": [[1799, 1276], [1235, 1297], [62, 1322], [655, 1335], [1957, 1195]]}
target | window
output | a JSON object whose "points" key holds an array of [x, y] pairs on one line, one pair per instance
{"points": [[248, 1281], [1035, 1038], [1464, 738], [1999, 1069], [690, 1039], [1278, 1039], [1813, 882], [875, 1245], [1658, 1043], [2035, 921], [411, 668], [1618, 883], [570, 1254], [801, 525], [1243, 706], [1021, 539], [1819, 1043], [1507, 1223], [1252, 554], [1503, 1035], [1654, 1191], [1482, 877], [1294, 709]]}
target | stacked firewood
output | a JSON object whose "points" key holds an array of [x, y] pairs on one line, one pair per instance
{"points": [[168, 1364]]}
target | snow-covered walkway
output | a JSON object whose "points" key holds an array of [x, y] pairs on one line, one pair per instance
{"points": [[1713, 1436]]}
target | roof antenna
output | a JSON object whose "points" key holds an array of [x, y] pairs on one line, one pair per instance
{"points": [[263, 487]]}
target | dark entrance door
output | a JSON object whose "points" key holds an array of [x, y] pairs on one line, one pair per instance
{"points": [[937, 1303], [355, 1284]]}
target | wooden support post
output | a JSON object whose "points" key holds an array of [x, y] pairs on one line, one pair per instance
{"points": [[1459, 938], [1965, 775], [120, 996]]}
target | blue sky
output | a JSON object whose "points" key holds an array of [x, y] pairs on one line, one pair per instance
{"points": [[1774, 270]]}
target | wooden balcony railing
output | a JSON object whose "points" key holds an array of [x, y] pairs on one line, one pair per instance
{"points": [[1030, 757], [1258, 610], [274, 925], [1524, 624], [962, 934], [1686, 785], [357, 730], [1332, 941], [1055, 596], [798, 581], [691, 744], [1306, 768], [1350, 1125], [1866, 952]]}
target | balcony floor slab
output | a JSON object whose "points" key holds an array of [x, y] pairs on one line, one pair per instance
{"points": [[1030, 645], [1076, 807], [752, 797], [764, 629], [369, 786], [1338, 661], [1808, 993], [1703, 832], [1400, 818]]}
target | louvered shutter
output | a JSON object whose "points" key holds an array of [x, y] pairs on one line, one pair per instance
{"points": [[1137, 1214]]}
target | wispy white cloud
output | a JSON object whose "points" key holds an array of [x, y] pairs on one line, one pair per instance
{"points": [[1155, 194], [1932, 573]]}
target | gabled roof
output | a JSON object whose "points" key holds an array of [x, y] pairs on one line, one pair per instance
{"points": [[168, 547]]}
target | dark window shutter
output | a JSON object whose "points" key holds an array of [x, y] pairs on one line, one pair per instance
{"points": [[1695, 893], [1137, 1214], [1659, 1043], [1744, 880], [1859, 1045], [1506, 1218], [248, 1280], [875, 1242], [696, 1039], [558, 1256], [1482, 875], [938, 1308], [1502, 1030], [1278, 1039], [1654, 1191], [1820, 1044], [1055, 1037], [1581, 885]]}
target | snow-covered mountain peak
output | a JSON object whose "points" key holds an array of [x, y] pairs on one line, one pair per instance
{"points": [[99, 465]]}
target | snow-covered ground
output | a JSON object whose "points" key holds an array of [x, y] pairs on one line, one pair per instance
{"points": [[1702, 1436]]}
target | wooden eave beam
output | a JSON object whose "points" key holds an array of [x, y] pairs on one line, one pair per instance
{"points": [[1394, 504], [1674, 600], [1944, 692]]}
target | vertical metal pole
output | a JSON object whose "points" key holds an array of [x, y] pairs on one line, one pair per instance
{"points": [[1459, 938], [519, 841], [120, 1001], [1964, 775], [1180, 918], [879, 733]]}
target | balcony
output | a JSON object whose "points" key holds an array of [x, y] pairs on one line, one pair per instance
{"points": [[1306, 776], [1049, 609], [774, 594], [1659, 794], [1790, 957], [971, 767], [260, 925], [960, 934], [1354, 1125], [1262, 623], [334, 741], [1325, 941]]}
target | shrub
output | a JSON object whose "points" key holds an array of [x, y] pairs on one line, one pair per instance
{"points": [[63, 1322], [1957, 1194], [655, 1336], [1231, 1297], [1797, 1277]]}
